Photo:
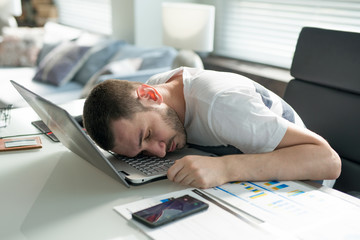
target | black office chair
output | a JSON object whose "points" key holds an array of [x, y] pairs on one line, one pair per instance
{"points": [[325, 92]]}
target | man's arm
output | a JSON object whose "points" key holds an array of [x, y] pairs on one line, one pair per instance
{"points": [[301, 155]]}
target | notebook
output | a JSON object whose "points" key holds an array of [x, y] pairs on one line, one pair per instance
{"points": [[70, 133]]}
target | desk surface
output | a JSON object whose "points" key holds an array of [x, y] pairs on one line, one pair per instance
{"points": [[51, 193]]}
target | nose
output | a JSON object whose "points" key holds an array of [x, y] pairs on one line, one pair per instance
{"points": [[157, 148]]}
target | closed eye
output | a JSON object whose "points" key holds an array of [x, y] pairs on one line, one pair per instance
{"points": [[148, 136]]}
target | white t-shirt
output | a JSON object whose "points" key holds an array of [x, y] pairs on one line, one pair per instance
{"points": [[229, 109]]}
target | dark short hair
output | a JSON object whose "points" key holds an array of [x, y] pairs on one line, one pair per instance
{"points": [[108, 101]]}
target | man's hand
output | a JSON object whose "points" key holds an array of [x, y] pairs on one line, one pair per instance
{"points": [[198, 171], [301, 155]]}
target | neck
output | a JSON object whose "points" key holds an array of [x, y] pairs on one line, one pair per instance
{"points": [[173, 95]]}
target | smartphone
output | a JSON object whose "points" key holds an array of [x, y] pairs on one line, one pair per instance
{"points": [[169, 211]]}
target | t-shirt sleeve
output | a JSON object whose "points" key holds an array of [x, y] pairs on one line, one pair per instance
{"points": [[243, 121], [163, 77]]}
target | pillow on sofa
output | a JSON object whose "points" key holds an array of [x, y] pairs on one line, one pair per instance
{"points": [[100, 56], [20, 46], [123, 67], [160, 57], [61, 64], [152, 57], [46, 48], [55, 34]]}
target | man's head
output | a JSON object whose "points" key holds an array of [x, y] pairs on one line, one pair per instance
{"points": [[109, 100], [130, 117]]}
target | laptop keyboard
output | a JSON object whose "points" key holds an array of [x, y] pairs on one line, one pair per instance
{"points": [[148, 165]]}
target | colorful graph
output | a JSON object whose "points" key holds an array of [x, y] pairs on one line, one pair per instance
{"points": [[281, 186], [261, 194], [278, 203], [271, 183], [295, 192], [249, 188], [278, 197], [258, 193]]}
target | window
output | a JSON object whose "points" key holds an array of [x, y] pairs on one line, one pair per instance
{"points": [[267, 31], [92, 15]]}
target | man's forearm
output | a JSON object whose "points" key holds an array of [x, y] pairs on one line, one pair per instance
{"points": [[299, 162], [301, 155]]}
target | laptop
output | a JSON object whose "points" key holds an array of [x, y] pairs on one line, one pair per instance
{"points": [[126, 170]]}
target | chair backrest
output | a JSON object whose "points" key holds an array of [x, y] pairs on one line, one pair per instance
{"points": [[325, 92]]}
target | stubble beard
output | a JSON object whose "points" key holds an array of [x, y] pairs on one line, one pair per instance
{"points": [[171, 118]]}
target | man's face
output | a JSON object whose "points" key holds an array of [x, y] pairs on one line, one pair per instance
{"points": [[153, 132]]}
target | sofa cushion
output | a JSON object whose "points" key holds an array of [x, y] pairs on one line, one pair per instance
{"points": [[54, 34], [46, 48], [63, 57], [129, 62], [130, 59], [61, 64], [20, 46], [99, 57], [152, 57], [158, 58], [125, 66]]}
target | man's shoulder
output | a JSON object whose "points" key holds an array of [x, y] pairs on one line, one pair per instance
{"points": [[162, 77]]}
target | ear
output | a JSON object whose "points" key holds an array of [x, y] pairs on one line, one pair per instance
{"points": [[147, 92]]}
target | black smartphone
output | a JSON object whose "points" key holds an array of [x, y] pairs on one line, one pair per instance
{"points": [[169, 211]]}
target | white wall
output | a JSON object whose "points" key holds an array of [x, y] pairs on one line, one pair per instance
{"points": [[148, 29], [122, 12], [10, 8], [139, 21]]}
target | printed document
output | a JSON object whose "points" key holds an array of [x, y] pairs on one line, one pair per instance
{"points": [[272, 210]]}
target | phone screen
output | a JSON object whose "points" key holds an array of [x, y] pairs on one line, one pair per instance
{"points": [[169, 211]]}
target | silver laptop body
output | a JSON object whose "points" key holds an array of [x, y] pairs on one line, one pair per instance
{"points": [[71, 135]]}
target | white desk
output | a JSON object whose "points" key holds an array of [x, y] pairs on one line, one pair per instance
{"points": [[51, 193]]}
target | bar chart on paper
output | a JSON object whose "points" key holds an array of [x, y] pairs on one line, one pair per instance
{"points": [[273, 197], [290, 205]]}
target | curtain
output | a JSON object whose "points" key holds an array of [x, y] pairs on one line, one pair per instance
{"points": [[266, 31], [91, 15]]}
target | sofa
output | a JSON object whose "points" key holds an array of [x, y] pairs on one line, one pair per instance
{"points": [[62, 63]]}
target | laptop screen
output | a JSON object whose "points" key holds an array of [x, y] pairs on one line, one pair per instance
{"points": [[68, 131]]}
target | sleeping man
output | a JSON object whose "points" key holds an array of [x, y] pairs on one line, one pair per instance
{"points": [[257, 135]]}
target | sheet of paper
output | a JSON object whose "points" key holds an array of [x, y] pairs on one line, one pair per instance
{"points": [[214, 223], [301, 209]]}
